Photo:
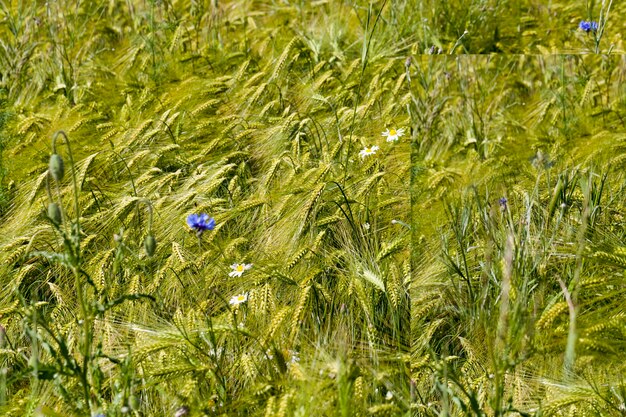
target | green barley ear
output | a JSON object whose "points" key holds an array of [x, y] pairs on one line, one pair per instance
{"points": [[54, 213], [149, 244], [56, 167]]}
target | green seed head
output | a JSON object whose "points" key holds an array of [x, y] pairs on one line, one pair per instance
{"points": [[54, 213], [56, 168], [149, 244]]}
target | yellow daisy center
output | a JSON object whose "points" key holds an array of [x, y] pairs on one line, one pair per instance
{"points": [[239, 268], [241, 298], [392, 132]]}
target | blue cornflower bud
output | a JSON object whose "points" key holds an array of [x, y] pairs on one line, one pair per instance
{"points": [[200, 223], [588, 26]]}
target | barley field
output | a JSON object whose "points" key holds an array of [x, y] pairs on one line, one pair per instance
{"points": [[312, 208]]}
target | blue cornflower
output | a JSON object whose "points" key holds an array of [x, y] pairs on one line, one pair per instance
{"points": [[503, 201], [588, 26], [200, 223]]}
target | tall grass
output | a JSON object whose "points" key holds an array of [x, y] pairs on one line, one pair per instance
{"points": [[517, 27], [517, 280], [218, 108], [473, 266]]}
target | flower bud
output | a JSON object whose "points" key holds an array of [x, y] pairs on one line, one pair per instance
{"points": [[133, 402], [56, 167], [54, 213], [149, 244]]}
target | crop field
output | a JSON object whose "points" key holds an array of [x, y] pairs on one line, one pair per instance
{"points": [[518, 199], [312, 208]]}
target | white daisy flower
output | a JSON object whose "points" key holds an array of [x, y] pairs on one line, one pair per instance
{"points": [[368, 151], [237, 269], [389, 395], [235, 300], [182, 412], [295, 357], [392, 135]]}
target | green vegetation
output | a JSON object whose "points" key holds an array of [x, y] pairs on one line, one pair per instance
{"points": [[255, 113], [296, 208], [519, 27], [518, 278]]}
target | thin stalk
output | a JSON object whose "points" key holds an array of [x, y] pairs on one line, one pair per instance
{"points": [[571, 297], [364, 55], [75, 185], [604, 16], [86, 318]]}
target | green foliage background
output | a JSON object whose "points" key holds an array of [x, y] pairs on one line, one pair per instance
{"points": [[473, 267], [518, 27], [253, 112], [517, 305]]}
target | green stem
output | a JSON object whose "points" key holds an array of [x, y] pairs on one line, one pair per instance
{"points": [[364, 54], [86, 348], [84, 308], [570, 349], [75, 185]]}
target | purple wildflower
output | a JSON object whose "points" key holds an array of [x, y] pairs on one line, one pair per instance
{"points": [[588, 26], [200, 223]]}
